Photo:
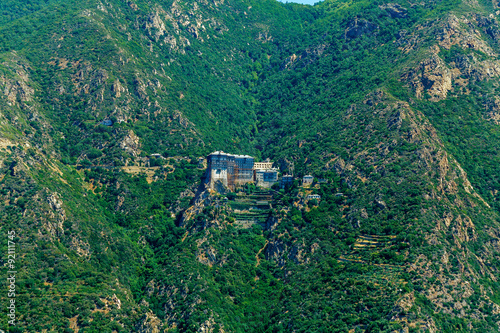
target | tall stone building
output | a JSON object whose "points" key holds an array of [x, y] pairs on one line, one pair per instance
{"points": [[230, 169]]}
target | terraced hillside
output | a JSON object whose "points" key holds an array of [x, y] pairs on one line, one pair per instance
{"points": [[251, 209]]}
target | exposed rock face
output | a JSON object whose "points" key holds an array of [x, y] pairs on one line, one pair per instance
{"points": [[207, 256], [16, 88], [140, 88], [337, 164], [117, 301], [433, 76], [54, 202], [305, 58], [181, 22], [149, 324], [155, 25], [175, 307], [491, 26], [298, 254], [215, 218], [206, 253], [57, 215], [358, 28], [80, 247], [289, 62], [452, 190], [172, 42], [475, 69], [99, 77], [272, 222], [117, 88], [493, 109], [398, 122], [438, 78], [201, 201], [208, 326], [395, 10], [17, 91], [220, 188], [275, 250], [183, 121], [461, 32], [310, 55], [131, 144]]}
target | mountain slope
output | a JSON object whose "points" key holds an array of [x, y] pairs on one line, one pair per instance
{"points": [[392, 104]]}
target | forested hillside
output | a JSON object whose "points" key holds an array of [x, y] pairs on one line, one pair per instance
{"points": [[392, 106]]}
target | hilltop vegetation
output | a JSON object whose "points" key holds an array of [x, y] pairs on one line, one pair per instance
{"points": [[393, 104]]}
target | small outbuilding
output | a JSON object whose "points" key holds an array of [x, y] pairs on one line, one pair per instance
{"points": [[307, 180], [286, 180], [107, 122]]}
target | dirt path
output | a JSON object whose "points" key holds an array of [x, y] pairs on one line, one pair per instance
{"points": [[258, 253], [359, 261]]}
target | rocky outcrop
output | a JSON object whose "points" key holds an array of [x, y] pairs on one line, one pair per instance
{"points": [[56, 215], [459, 42], [394, 10], [209, 326], [201, 200], [272, 222], [155, 26], [131, 144], [492, 106], [82, 248], [471, 67], [220, 188], [460, 32], [431, 76], [171, 41], [275, 251], [17, 86], [451, 191], [99, 78], [140, 88], [116, 301], [490, 26], [174, 26], [305, 58], [207, 256], [380, 203], [17, 91], [182, 120], [117, 88], [288, 62], [208, 210], [150, 324], [298, 253], [359, 27]]}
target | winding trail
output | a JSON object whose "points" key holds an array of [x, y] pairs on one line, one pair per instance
{"points": [[258, 253]]}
